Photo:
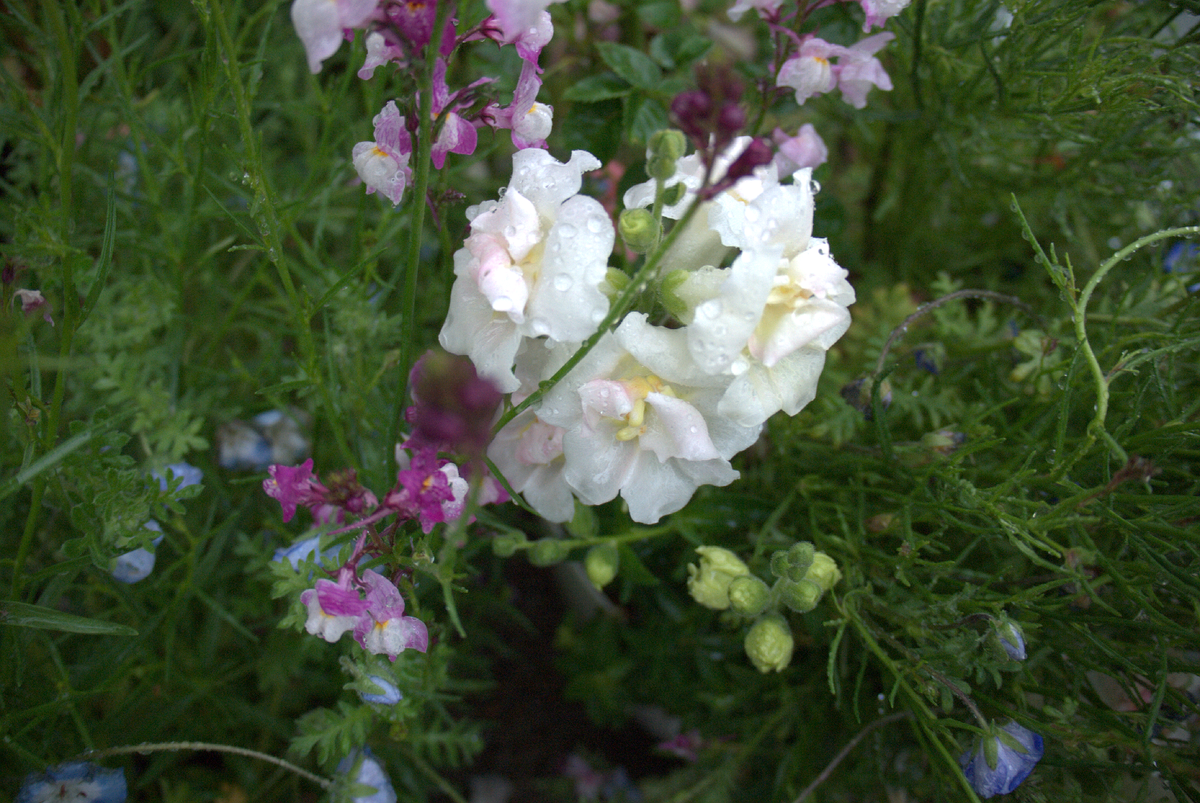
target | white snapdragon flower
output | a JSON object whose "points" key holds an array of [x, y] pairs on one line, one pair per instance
{"points": [[531, 267], [640, 419], [768, 319]]}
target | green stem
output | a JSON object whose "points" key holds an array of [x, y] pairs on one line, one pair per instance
{"points": [[1096, 428], [159, 747], [408, 323]]}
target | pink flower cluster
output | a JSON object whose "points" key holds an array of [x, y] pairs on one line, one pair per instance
{"points": [[369, 605], [397, 34], [810, 71]]}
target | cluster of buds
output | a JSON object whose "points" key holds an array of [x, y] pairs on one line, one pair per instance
{"points": [[722, 581]]}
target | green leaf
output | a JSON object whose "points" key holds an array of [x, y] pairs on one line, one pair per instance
{"points": [[675, 48], [22, 615], [594, 127], [598, 87], [645, 116], [664, 14], [634, 66]]}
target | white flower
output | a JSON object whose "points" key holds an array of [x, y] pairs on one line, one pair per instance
{"points": [[531, 267], [640, 419]]}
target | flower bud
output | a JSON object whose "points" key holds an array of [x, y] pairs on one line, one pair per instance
{"points": [[602, 563], [709, 582], [669, 143], [615, 281], [639, 230], [668, 293], [801, 597], [548, 551], [673, 194], [823, 571], [505, 545], [769, 644], [748, 595], [660, 168], [858, 395], [584, 523], [1009, 638]]}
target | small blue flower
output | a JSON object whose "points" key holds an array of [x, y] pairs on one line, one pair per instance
{"points": [[1011, 639], [137, 564], [76, 781], [368, 771], [390, 695], [188, 473], [1012, 765]]}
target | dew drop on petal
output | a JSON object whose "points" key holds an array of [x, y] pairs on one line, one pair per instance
{"points": [[710, 309], [595, 225], [539, 326], [566, 230], [563, 282]]}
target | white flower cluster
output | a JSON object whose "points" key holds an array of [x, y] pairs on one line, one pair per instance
{"points": [[650, 413]]}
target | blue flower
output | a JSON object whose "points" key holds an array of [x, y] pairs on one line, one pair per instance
{"points": [[136, 564], [76, 781], [188, 473], [1011, 639], [1015, 754], [369, 772], [390, 695]]}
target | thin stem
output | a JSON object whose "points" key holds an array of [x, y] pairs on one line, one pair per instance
{"points": [[926, 308], [433, 775], [160, 747], [845, 751]]}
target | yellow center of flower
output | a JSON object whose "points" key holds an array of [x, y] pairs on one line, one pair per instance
{"points": [[638, 388]]}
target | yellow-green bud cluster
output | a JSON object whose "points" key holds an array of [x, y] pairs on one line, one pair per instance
{"points": [[804, 576], [549, 551], [709, 582], [506, 544], [639, 229], [769, 644]]}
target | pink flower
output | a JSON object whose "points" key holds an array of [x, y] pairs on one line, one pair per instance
{"points": [[529, 121], [383, 629], [858, 70], [767, 9], [426, 492], [519, 18], [293, 486], [880, 11], [686, 746], [806, 149], [333, 608], [320, 25], [809, 71], [383, 164], [453, 406], [382, 47], [32, 301], [457, 135]]}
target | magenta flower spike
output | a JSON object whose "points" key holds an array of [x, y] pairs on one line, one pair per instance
{"points": [[333, 608], [529, 121], [383, 629], [457, 135], [293, 486]]}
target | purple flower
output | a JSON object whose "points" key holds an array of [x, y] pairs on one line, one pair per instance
{"points": [[320, 24], [880, 11], [453, 405], [74, 781], [529, 121], [457, 135], [685, 745], [293, 486], [333, 608], [1002, 760], [365, 769], [383, 629], [32, 301], [806, 149], [858, 70], [1011, 639]]}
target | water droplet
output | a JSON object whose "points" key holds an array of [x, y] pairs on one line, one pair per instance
{"points": [[539, 326], [555, 247], [752, 214], [510, 232], [566, 230], [563, 282], [598, 315], [710, 309], [693, 430], [747, 316], [719, 330], [595, 225], [604, 393]]}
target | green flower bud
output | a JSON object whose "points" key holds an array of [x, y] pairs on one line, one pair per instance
{"points": [[601, 563], [823, 571], [709, 582], [548, 551], [769, 644], [673, 194], [748, 595], [639, 230], [801, 597], [506, 545], [584, 524], [614, 282], [668, 143], [660, 168]]}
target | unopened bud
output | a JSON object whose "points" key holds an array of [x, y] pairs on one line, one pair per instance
{"points": [[668, 293], [801, 597], [660, 168], [1009, 638], [673, 194], [769, 644], [549, 551], [858, 395], [601, 563], [583, 524], [823, 571], [669, 143], [615, 281], [506, 545], [709, 582], [639, 230], [748, 595]]}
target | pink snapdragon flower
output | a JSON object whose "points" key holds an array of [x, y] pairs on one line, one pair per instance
{"points": [[321, 25], [456, 135], [32, 301], [293, 486], [521, 18], [809, 71], [880, 11], [382, 628], [427, 489], [767, 9], [383, 164], [334, 607], [806, 149], [529, 121], [858, 70]]}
